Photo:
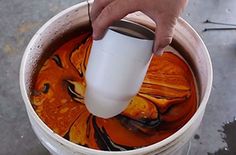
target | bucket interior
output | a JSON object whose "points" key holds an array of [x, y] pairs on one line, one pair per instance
{"points": [[49, 37]]}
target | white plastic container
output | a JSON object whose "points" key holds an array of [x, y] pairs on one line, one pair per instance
{"points": [[185, 38], [116, 69]]}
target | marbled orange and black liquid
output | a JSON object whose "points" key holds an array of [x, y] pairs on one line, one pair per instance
{"points": [[166, 101]]}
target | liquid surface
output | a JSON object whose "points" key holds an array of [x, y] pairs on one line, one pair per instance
{"points": [[166, 101]]}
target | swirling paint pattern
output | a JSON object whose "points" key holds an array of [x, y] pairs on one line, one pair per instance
{"points": [[166, 101]]}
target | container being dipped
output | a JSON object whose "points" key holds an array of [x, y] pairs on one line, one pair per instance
{"points": [[116, 68]]}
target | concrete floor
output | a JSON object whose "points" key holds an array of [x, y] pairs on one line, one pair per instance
{"points": [[20, 19]]}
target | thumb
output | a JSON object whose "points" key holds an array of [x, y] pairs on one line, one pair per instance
{"points": [[164, 33]]}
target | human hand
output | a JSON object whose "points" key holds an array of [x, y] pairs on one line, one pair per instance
{"points": [[163, 12]]}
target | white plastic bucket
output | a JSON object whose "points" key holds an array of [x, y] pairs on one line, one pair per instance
{"points": [[185, 38]]}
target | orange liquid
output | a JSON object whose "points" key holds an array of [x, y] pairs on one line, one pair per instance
{"points": [[166, 101]]}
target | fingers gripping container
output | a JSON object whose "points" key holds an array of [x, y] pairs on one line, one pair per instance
{"points": [[116, 68]]}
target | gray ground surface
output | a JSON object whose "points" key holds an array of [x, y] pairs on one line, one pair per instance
{"points": [[20, 19]]}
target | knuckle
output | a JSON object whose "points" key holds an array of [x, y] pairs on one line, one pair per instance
{"points": [[99, 1], [165, 41], [97, 25], [108, 10]]}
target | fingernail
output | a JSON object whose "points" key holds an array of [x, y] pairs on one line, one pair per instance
{"points": [[95, 36], [154, 48], [94, 32], [159, 52]]}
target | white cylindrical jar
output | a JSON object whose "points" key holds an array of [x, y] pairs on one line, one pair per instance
{"points": [[116, 69]]}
